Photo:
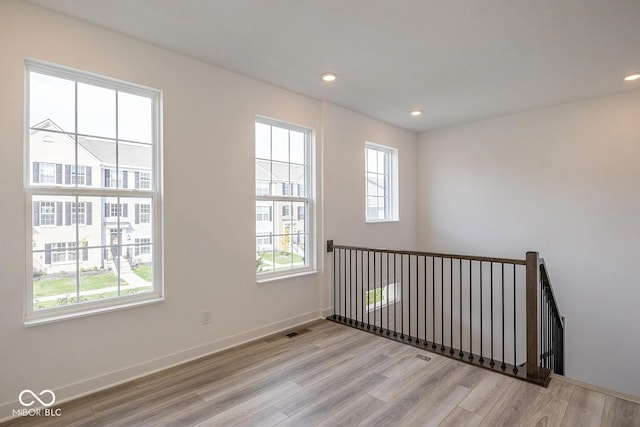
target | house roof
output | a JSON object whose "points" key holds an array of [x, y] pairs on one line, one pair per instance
{"points": [[129, 154]]}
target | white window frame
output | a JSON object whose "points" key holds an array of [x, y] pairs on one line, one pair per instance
{"points": [[79, 213], [390, 173], [78, 173], [143, 246], [115, 210], [144, 180], [41, 173], [145, 213], [308, 200], [47, 223], [34, 316]]}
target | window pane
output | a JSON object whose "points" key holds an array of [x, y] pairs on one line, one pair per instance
{"points": [[297, 147], [280, 177], [57, 288], [100, 280], [263, 175], [96, 111], [51, 156], [132, 158], [51, 98], [280, 144], [264, 252], [134, 117], [263, 141], [297, 176], [382, 162], [372, 160]]}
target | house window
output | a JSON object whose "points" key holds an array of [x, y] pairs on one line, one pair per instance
{"points": [[381, 183], [145, 214], [263, 213], [47, 213], [262, 188], [283, 153], [47, 173], [143, 246], [77, 122], [300, 213], [381, 297], [145, 180], [79, 213]]}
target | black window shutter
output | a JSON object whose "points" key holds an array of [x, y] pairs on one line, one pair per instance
{"points": [[88, 206], [58, 173], [36, 172], [67, 174], [125, 179], [106, 210], [67, 213], [87, 179], [36, 214], [136, 176], [85, 251], [47, 253], [58, 213], [137, 213], [107, 176], [125, 210]]}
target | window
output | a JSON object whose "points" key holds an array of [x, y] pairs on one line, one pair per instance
{"points": [[381, 297], [263, 213], [144, 180], [78, 123], [145, 214], [79, 213], [300, 213], [47, 213], [283, 164], [143, 246], [381, 183]]}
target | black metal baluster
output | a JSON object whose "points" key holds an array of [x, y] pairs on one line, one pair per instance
{"points": [[515, 340], [433, 301], [363, 299], [470, 313], [388, 302], [375, 292], [417, 301], [461, 353], [395, 296], [492, 361], [503, 365], [381, 329], [541, 361], [409, 285], [339, 283], [441, 304], [349, 317], [366, 299], [335, 296], [355, 291], [426, 341], [451, 350], [481, 359], [401, 296]]}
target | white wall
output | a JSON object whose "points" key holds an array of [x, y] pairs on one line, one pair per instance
{"points": [[344, 136], [209, 211], [563, 181]]}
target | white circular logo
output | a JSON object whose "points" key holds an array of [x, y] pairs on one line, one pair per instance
{"points": [[30, 401]]}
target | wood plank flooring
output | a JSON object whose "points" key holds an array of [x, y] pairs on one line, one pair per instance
{"points": [[333, 375]]}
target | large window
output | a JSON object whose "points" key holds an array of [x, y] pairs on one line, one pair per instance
{"points": [[283, 163], [381, 183], [79, 124]]}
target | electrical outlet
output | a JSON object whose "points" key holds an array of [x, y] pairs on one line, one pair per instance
{"points": [[206, 317]]}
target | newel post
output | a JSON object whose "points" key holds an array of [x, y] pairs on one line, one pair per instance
{"points": [[533, 277]]}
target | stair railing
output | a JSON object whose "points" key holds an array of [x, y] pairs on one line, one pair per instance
{"points": [[497, 313]]}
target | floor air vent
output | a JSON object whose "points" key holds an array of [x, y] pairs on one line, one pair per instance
{"points": [[292, 334], [423, 357]]}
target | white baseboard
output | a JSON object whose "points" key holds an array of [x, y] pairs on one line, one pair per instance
{"points": [[82, 388]]}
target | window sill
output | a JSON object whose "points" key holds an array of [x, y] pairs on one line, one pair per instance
{"points": [[293, 275], [39, 318], [378, 221]]}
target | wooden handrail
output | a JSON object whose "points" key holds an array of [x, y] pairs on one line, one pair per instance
{"points": [[532, 280]]}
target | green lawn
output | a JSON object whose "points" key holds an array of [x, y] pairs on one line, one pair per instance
{"points": [[283, 259], [144, 271], [64, 301], [45, 287], [374, 295]]}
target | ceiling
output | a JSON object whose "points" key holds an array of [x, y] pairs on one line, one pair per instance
{"points": [[458, 61]]}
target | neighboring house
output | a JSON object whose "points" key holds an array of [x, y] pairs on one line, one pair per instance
{"points": [[106, 228], [275, 221]]}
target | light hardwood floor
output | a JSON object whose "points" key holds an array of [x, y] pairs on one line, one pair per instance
{"points": [[333, 375]]}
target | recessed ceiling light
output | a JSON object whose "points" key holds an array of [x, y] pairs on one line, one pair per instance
{"points": [[416, 113], [329, 77], [632, 77]]}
